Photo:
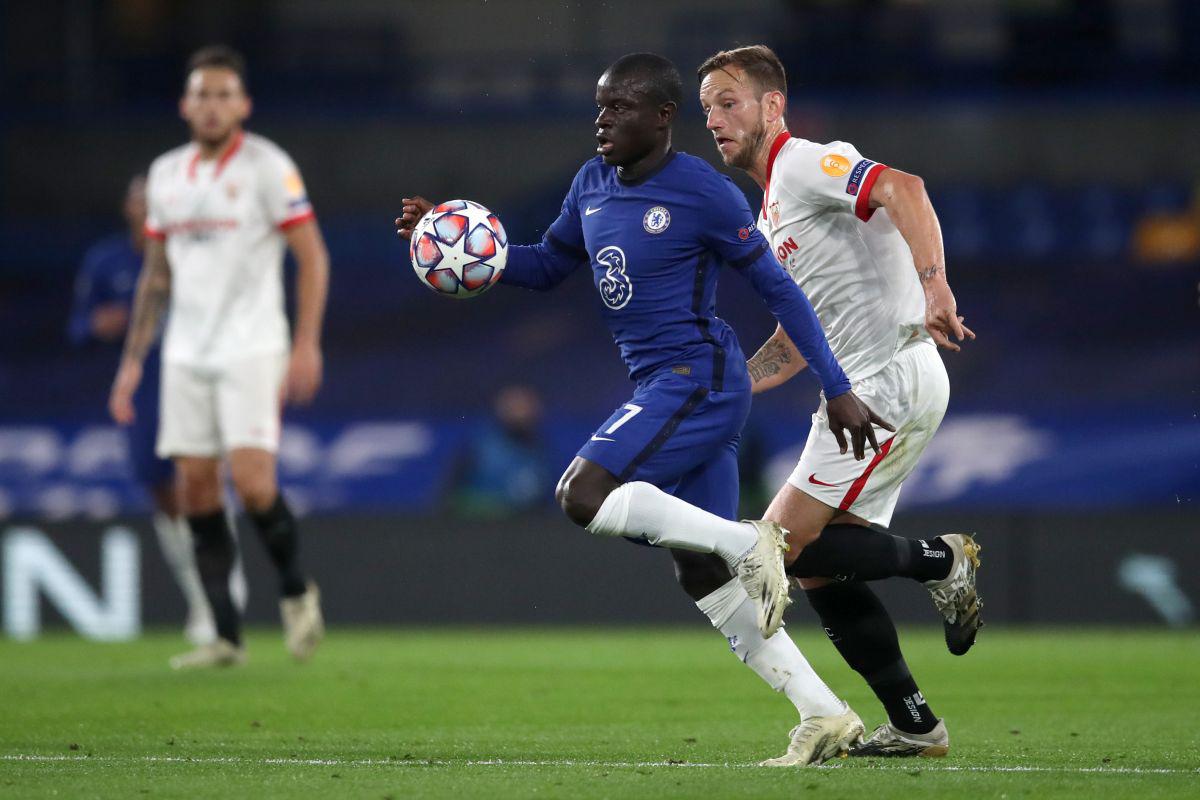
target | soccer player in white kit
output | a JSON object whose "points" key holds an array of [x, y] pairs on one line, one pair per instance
{"points": [[222, 209], [864, 244]]}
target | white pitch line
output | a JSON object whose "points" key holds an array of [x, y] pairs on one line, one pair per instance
{"points": [[499, 762]]}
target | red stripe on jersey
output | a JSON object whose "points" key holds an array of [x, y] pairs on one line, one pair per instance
{"points": [[154, 233], [776, 146], [230, 151], [234, 146], [862, 206], [857, 487], [292, 222]]}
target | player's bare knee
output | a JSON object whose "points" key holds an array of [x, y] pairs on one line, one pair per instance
{"points": [[257, 492], [576, 499], [199, 490]]}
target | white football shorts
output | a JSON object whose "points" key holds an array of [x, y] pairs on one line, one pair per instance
{"points": [[911, 392], [208, 411]]}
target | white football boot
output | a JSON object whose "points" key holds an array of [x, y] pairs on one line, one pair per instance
{"points": [[818, 739], [887, 741], [200, 629], [762, 574], [303, 625], [219, 653], [955, 595]]}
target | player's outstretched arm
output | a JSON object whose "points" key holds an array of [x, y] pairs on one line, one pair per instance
{"points": [[305, 367], [541, 266], [149, 306], [775, 363], [909, 207]]}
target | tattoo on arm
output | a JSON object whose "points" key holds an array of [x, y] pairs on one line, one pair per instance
{"points": [[769, 360], [926, 275], [150, 302]]}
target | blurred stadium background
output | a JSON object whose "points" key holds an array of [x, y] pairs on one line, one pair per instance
{"points": [[1057, 138]]}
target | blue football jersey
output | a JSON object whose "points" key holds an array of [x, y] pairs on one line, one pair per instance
{"points": [[109, 275], [655, 246]]}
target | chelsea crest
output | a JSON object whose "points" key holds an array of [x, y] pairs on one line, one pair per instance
{"points": [[656, 220]]}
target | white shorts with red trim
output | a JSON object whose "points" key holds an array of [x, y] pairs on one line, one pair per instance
{"points": [[911, 392], [208, 411]]}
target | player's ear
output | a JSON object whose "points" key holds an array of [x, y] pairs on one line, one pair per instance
{"points": [[247, 107], [774, 106], [667, 112]]}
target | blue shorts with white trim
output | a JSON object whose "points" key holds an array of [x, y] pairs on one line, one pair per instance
{"points": [[678, 435]]}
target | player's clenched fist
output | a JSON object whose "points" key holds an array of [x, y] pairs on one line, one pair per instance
{"points": [[412, 210]]}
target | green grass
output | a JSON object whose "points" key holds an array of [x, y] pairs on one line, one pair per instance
{"points": [[584, 713]]}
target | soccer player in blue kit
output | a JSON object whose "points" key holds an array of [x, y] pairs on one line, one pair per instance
{"points": [[655, 225]]}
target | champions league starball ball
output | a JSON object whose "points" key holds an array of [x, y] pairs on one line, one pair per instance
{"points": [[459, 249]]}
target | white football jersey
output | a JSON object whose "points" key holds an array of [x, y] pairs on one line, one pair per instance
{"points": [[848, 258], [223, 222]]}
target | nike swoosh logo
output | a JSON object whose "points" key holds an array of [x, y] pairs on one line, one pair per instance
{"points": [[813, 480], [602, 439], [589, 211]]}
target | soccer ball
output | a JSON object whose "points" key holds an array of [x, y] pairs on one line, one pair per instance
{"points": [[459, 249]]}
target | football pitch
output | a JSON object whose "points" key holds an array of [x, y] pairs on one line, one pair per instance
{"points": [[581, 713]]}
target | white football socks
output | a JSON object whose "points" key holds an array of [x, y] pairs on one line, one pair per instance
{"points": [[175, 539], [239, 589], [641, 510], [776, 660]]}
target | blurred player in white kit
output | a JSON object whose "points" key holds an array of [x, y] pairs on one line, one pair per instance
{"points": [[864, 244], [104, 293], [222, 209]]}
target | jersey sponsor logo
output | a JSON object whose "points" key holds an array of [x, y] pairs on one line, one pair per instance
{"points": [[835, 166], [656, 220], [746, 232], [813, 480], [856, 176], [615, 287], [200, 228], [788, 246]]}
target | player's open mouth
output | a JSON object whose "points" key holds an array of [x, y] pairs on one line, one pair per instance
{"points": [[604, 147], [723, 142]]}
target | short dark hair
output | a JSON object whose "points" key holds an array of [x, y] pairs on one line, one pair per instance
{"points": [[758, 61], [655, 75], [218, 56]]}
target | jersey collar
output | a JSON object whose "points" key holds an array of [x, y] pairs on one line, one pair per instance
{"points": [[776, 146], [231, 150], [659, 167]]}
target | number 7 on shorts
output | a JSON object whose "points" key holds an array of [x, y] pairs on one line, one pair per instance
{"points": [[631, 411]]}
